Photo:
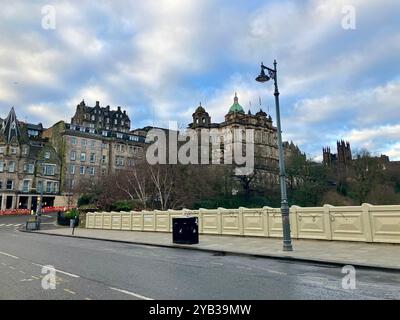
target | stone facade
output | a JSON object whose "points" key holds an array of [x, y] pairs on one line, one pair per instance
{"points": [[265, 134], [90, 150], [342, 158], [29, 165], [101, 118]]}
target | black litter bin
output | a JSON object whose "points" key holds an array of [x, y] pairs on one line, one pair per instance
{"points": [[185, 230]]}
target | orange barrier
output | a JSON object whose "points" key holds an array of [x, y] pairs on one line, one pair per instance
{"points": [[14, 212], [27, 211]]}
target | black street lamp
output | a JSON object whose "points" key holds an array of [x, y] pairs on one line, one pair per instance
{"points": [[262, 77]]}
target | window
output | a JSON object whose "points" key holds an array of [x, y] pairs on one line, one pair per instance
{"points": [[119, 161], [115, 121], [49, 170], [1, 185], [82, 170], [11, 166], [71, 169], [25, 151], [105, 133], [31, 168], [48, 187], [91, 171], [33, 133], [104, 159], [83, 157], [84, 142], [108, 120], [73, 155], [2, 150], [92, 145], [73, 141], [133, 138], [91, 130], [47, 155], [55, 187], [103, 146], [39, 186], [1, 165], [10, 185], [92, 157], [13, 150], [82, 129], [25, 186], [120, 135]]}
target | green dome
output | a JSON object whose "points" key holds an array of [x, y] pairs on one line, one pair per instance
{"points": [[236, 107]]}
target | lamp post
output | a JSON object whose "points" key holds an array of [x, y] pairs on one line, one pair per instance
{"points": [[262, 77]]}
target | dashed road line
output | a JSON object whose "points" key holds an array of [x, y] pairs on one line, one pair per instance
{"points": [[9, 255], [22, 272], [66, 273], [70, 291], [131, 294], [36, 278], [11, 267]]}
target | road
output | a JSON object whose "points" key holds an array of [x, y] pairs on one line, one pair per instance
{"points": [[92, 269]]}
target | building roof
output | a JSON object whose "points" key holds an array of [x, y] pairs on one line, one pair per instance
{"points": [[236, 107], [10, 129]]}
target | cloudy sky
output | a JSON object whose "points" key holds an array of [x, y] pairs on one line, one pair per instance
{"points": [[160, 58]]}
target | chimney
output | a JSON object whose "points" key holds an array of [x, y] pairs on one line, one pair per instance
{"points": [[97, 104]]}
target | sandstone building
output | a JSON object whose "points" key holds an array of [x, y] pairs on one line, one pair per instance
{"points": [[97, 142], [29, 165]]}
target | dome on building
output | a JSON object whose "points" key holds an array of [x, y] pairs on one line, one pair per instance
{"points": [[200, 109], [236, 107]]}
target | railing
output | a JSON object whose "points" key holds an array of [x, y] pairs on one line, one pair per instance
{"points": [[365, 223]]}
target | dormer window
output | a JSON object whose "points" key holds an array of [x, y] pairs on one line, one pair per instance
{"points": [[120, 135]]}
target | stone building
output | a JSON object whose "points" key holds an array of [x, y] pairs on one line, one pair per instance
{"points": [[342, 158], [266, 156], [29, 165], [92, 147], [101, 118]]}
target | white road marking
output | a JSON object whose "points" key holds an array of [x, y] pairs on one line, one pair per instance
{"points": [[131, 294], [70, 291], [217, 263], [9, 255], [22, 271], [2, 224], [66, 273], [9, 225], [11, 267]]}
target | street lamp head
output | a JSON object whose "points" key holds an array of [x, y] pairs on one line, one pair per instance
{"points": [[262, 77]]}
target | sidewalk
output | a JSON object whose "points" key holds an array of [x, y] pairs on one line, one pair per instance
{"points": [[383, 256]]}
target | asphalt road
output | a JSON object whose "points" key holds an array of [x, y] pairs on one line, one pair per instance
{"points": [[92, 269]]}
